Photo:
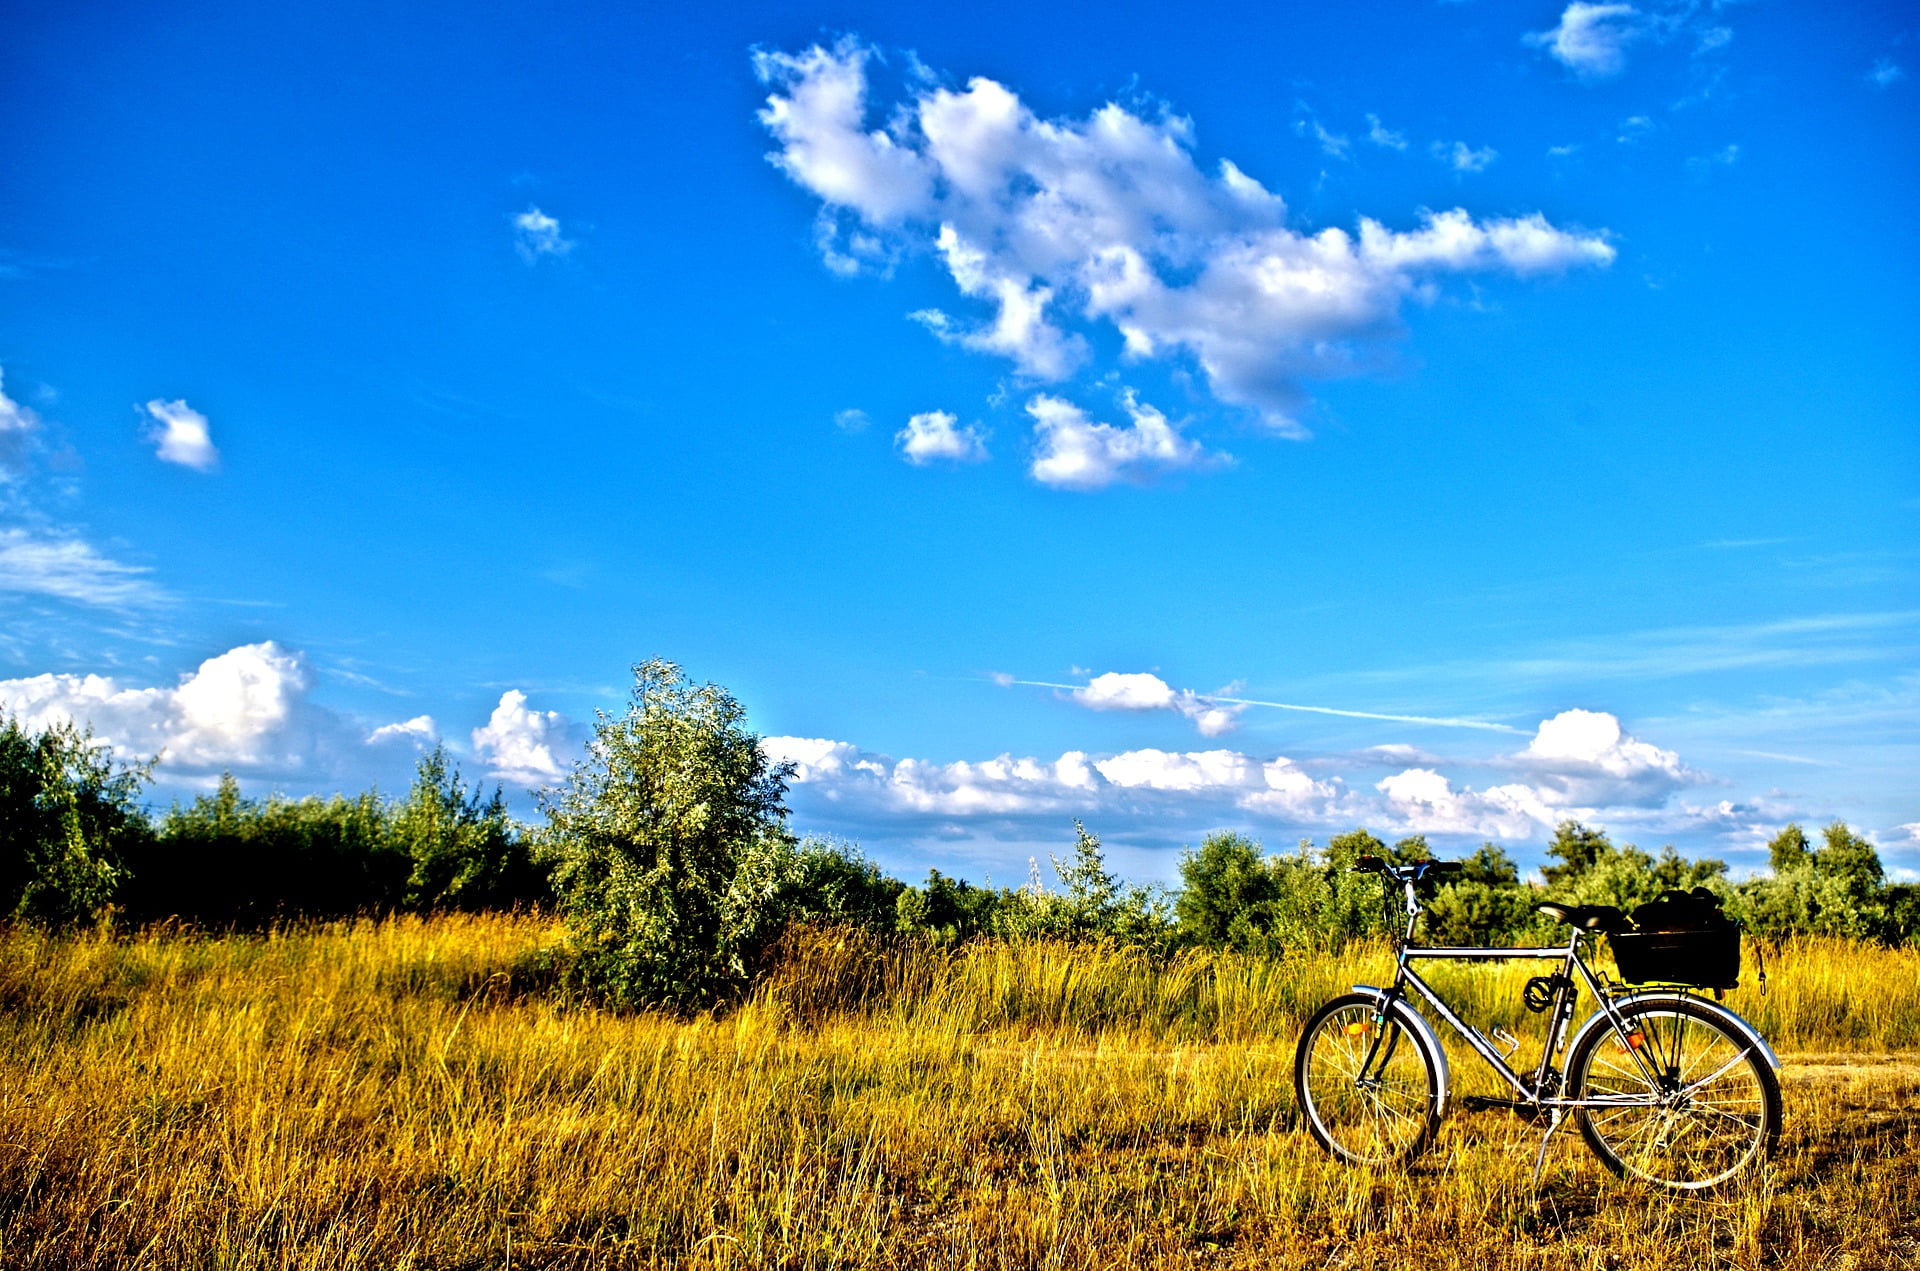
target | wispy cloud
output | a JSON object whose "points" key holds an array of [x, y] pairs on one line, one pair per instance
{"points": [[1885, 73], [69, 568], [1462, 157]]}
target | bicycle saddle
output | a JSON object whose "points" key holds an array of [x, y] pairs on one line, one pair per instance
{"points": [[1587, 917]]}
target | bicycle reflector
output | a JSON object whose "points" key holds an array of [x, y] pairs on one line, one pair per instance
{"points": [[1636, 1039], [1357, 1027]]}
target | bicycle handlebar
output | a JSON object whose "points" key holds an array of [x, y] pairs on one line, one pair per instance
{"points": [[1417, 871]]}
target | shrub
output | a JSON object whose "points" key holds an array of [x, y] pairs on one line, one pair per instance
{"points": [[668, 846], [68, 817]]}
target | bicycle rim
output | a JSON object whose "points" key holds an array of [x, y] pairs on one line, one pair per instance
{"points": [[1698, 1106], [1377, 1116]]}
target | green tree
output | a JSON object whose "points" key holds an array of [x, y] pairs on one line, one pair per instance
{"points": [[1484, 904], [1790, 850], [68, 817], [1228, 893], [1577, 849], [465, 850], [648, 836]]}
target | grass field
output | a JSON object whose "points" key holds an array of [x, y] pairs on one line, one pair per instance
{"points": [[397, 1094]]}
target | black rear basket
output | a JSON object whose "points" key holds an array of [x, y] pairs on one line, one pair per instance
{"points": [[1703, 957]]}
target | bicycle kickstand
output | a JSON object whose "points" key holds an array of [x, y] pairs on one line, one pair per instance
{"points": [[1540, 1158]]}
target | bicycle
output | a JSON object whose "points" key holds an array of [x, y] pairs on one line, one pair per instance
{"points": [[1666, 1086]]}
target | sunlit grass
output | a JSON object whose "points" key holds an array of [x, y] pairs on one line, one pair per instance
{"points": [[398, 1094]]}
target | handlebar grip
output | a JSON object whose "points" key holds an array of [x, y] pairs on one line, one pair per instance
{"points": [[1368, 864], [1445, 867]]}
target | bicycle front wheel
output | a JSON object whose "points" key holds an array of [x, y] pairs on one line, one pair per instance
{"points": [[1369, 1089], [1694, 1104]]}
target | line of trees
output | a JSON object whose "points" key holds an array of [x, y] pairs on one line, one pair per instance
{"points": [[669, 855]]}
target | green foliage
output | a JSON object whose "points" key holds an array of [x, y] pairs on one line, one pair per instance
{"points": [[1596, 872], [1834, 890], [68, 818], [947, 909], [668, 845], [465, 851], [1484, 904], [229, 859], [1229, 894]]}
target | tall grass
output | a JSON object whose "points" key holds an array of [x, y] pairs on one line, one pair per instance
{"points": [[396, 1094]]}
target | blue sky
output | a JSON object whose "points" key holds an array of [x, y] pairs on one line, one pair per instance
{"points": [[1024, 411]]}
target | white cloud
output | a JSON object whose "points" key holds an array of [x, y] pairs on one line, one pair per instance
{"points": [[1585, 757], [420, 732], [1143, 691], [1461, 157], [932, 437], [526, 747], [69, 568], [1125, 691], [858, 788], [18, 424], [180, 435], [1886, 73], [1072, 452], [1053, 224], [1421, 801], [243, 709], [1381, 135], [851, 420], [535, 234], [1592, 39]]}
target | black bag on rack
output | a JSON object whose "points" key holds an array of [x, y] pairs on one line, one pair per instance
{"points": [[1681, 938]]}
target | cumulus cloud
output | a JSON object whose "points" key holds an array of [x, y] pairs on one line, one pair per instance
{"points": [[526, 747], [935, 437], [1591, 40], [180, 435], [244, 709], [1107, 220], [419, 732], [1582, 757], [69, 568], [1073, 452], [863, 788], [535, 234], [1578, 764]]}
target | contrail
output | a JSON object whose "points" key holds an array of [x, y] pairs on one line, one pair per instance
{"points": [[1481, 724]]}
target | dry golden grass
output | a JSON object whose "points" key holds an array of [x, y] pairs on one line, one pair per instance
{"points": [[381, 1094]]}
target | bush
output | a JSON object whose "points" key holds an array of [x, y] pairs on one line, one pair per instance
{"points": [[68, 818], [227, 859], [466, 852], [669, 846]]}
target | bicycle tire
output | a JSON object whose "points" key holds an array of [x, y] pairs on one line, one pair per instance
{"points": [[1382, 1118], [1710, 1102]]}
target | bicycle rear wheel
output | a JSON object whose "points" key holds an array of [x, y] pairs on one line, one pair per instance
{"points": [[1367, 1085], [1699, 1105]]}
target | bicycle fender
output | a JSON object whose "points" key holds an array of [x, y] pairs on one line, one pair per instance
{"points": [[1747, 1032], [1414, 1020]]}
